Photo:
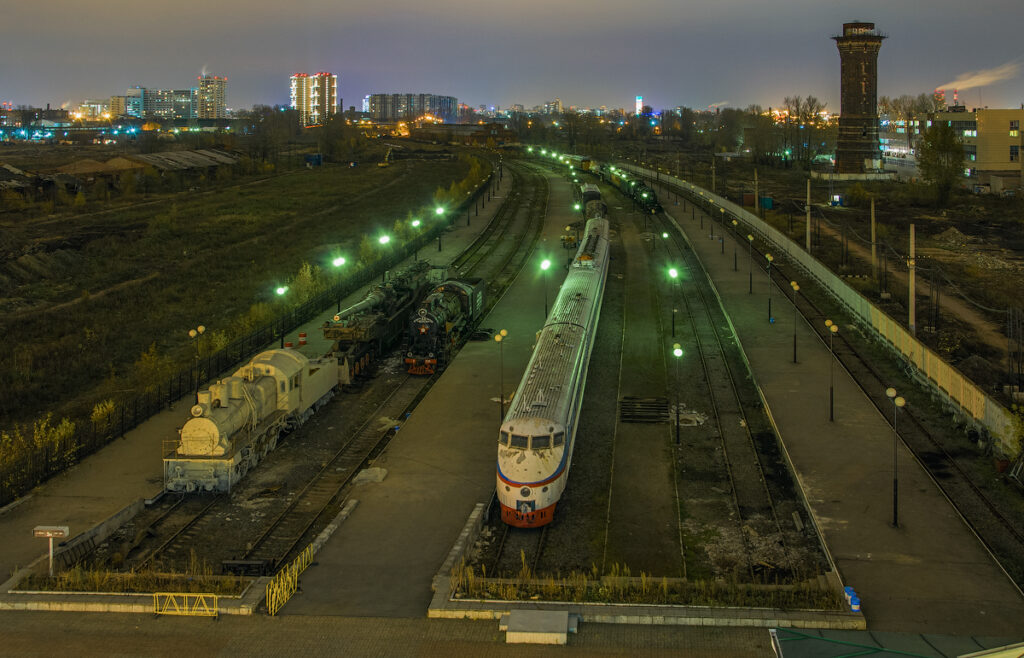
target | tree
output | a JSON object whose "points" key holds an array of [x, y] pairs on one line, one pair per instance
{"points": [[940, 159]]}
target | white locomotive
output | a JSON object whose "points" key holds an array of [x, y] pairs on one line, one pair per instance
{"points": [[538, 434], [237, 421]]}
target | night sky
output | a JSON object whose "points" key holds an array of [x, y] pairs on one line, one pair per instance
{"points": [[673, 52]]}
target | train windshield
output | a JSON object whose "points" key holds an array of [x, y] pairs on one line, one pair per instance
{"points": [[520, 441], [559, 438], [541, 442], [503, 439]]}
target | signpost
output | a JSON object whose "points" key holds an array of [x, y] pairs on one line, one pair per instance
{"points": [[50, 532]]}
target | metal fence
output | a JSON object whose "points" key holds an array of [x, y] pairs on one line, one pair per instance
{"points": [[286, 582], [941, 376], [88, 436]]}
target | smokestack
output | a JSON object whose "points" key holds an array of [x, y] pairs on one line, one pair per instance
{"points": [[956, 98]]}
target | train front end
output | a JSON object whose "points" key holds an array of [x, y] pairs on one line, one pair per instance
{"points": [[532, 465], [421, 358]]}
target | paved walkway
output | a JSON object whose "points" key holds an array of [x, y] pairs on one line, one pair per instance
{"points": [[47, 633], [929, 575], [130, 467]]}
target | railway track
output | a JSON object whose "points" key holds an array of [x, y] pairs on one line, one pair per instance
{"points": [[519, 548], [998, 533], [505, 245], [747, 478], [176, 545], [281, 537]]}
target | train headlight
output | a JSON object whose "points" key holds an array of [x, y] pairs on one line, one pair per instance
{"points": [[525, 492]]}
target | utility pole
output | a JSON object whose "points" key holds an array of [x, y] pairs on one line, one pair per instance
{"points": [[874, 252], [911, 267], [713, 174], [757, 195], [807, 208]]}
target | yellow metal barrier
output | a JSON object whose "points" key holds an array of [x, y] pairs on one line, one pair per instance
{"points": [[284, 584], [186, 605]]}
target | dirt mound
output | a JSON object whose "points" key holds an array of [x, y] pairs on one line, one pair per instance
{"points": [[951, 237]]}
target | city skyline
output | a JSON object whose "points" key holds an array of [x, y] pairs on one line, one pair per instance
{"points": [[586, 54]]}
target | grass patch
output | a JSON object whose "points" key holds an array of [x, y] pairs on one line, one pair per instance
{"points": [[197, 578], [620, 586]]}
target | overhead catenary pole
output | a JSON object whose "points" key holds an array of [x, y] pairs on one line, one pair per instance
{"points": [[807, 209], [911, 304]]}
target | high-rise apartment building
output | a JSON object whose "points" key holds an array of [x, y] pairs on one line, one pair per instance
{"points": [[408, 107], [211, 97], [170, 103], [314, 96]]}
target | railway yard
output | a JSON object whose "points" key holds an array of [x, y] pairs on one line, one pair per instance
{"points": [[682, 467]]}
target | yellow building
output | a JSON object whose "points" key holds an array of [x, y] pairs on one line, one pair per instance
{"points": [[992, 145]]}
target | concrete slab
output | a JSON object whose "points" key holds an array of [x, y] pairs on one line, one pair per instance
{"points": [[537, 627]]}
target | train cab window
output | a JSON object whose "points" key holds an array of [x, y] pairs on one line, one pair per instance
{"points": [[541, 442], [559, 438], [503, 439], [283, 390], [520, 441]]}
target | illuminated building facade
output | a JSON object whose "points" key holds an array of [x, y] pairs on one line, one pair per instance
{"points": [[857, 145], [315, 97], [408, 107], [211, 97], [639, 105]]}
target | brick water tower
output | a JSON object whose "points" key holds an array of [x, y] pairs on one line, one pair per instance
{"points": [[857, 146]]}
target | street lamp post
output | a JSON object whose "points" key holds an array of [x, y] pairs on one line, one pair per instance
{"points": [[499, 338], [195, 335], [735, 228], [674, 273], [338, 263], [383, 240], [721, 237], [439, 211], [544, 266], [833, 329], [416, 251], [897, 402], [796, 288], [677, 352], [750, 263], [769, 258]]}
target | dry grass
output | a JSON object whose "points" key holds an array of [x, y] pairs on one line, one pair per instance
{"points": [[620, 586], [197, 578]]}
